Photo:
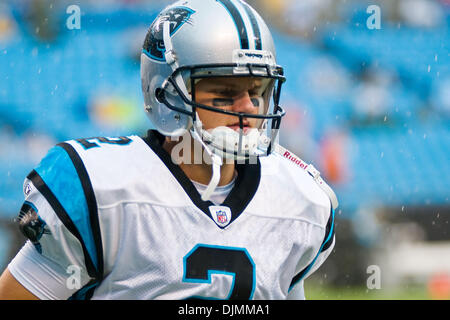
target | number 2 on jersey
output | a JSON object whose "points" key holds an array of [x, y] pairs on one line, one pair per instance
{"points": [[204, 260], [90, 144]]}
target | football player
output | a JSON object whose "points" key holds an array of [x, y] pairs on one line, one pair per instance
{"points": [[206, 206]]}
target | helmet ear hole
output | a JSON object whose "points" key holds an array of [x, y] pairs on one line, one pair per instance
{"points": [[159, 92]]}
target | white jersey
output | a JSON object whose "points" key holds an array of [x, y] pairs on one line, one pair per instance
{"points": [[115, 218]]}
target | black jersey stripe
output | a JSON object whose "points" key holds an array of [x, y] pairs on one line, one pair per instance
{"points": [[240, 25], [42, 187], [91, 203], [245, 187], [329, 232], [86, 292]]}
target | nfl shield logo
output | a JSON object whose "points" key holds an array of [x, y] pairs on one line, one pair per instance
{"points": [[221, 215]]}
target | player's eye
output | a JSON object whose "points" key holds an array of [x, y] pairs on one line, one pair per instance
{"points": [[225, 102], [222, 102], [227, 93]]}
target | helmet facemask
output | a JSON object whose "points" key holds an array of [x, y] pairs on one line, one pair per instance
{"points": [[240, 143]]}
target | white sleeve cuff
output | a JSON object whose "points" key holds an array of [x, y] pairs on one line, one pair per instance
{"points": [[38, 274]]}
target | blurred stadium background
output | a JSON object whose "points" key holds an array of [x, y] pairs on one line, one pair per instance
{"points": [[368, 107]]}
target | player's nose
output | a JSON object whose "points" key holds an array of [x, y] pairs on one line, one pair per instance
{"points": [[243, 103]]}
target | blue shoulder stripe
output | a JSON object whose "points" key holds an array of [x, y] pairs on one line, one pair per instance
{"points": [[62, 178], [90, 200]]}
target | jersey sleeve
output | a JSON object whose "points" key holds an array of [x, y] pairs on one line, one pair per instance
{"points": [[326, 247], [59, 219]]}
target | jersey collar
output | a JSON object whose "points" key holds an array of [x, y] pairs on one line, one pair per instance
{"points": [[245, 187]]}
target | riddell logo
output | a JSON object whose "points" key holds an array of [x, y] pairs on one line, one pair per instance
{"points": [[294, 159], [254, 55]]}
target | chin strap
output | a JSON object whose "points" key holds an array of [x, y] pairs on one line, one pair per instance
{"points": [[171, 60], [171, 57], [216, 163], [313, 172]]}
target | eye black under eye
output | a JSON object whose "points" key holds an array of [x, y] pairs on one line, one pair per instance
{"points": [[255, 102]]}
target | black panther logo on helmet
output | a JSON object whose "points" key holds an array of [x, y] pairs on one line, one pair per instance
{"points": [[154, 44]]}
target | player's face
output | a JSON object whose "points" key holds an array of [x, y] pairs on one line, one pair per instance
{"points": [[241, 95]]}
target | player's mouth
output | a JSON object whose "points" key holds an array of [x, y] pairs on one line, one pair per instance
{"points": [[236, 126]]}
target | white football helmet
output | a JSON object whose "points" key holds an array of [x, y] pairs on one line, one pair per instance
{"points": [[192, 40]]}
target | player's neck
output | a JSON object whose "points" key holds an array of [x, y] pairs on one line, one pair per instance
{"points": [[201, 172]]}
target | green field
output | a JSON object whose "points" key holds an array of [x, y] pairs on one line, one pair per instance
{"points": [[321, 292]]}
